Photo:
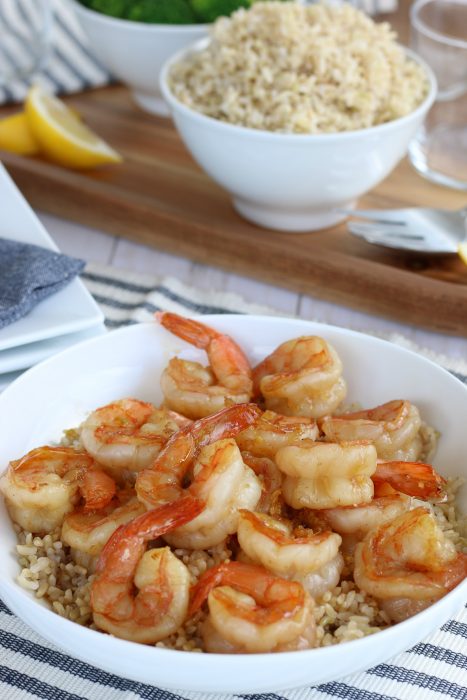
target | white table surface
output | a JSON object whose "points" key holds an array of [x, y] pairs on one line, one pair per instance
{"points": [[96, 246]]}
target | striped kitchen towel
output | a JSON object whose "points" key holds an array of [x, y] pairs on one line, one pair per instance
{"points": [[31, 668], [68, 64]]}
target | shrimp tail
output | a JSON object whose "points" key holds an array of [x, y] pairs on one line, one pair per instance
{"points": [[193, 332], [97, 488], [249, 579], [456, 572], [201, 590], [149, 526], [412, 478], [226, 423]]}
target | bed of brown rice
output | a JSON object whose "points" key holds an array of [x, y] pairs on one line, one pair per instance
{"points": [[291, 68], [343, 614]]}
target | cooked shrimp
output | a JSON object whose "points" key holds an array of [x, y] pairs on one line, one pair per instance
{"points": [[413, 478], [87, 532], [312, 559], [218, 476], [270, 478], [393, 483], [48, 482], [143, 595], [128, 434], [393, 428], [324, 475], [408, 558], [197, 391], [254, 611], [354, 522], [225, 485], [302, 377], [272, 431]]}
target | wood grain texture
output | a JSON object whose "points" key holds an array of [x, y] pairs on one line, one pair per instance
{"points": [[161, 198]]}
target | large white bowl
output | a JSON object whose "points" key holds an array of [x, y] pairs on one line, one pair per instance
{"points": [[293, 182], [128, 362], [134, 52]]}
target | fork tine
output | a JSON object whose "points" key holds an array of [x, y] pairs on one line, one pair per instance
{"points": [[390, 237], [385, 228], [394, 216]]}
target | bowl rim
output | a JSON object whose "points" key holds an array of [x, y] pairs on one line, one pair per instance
{"points": [[133, 25], [63, 628], [177, 106], [421, 26]]}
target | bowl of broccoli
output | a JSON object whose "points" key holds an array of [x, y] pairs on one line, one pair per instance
{"points": [[166, 11], [133, 38]]}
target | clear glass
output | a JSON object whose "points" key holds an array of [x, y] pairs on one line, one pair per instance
{"points": [[439, 35], [25, 34]]}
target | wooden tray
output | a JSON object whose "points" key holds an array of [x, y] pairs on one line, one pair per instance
{"points": [[160, 197]]}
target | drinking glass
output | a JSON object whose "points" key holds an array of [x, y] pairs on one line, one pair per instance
{"points": [[439, 35], [25, 31]]}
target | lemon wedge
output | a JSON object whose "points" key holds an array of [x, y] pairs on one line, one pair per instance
{"points": [[16, 135], [462, 251], [62, 136]]}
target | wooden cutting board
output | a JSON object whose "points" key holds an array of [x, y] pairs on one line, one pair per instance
{"points": [[161, 198]]}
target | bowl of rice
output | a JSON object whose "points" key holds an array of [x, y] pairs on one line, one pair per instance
{"points": [[41, 584], [297, 110]]}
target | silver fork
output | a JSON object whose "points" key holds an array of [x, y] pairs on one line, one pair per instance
{"points": [[418, 229]]}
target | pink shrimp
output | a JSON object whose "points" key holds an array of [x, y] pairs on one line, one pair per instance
{"points": [[312, 558], [207, 454], [302, 377], [162, 483], [127, 435], [196, 391], [252, 610], [409, 559], [46, 484], [143, 595], [272, 431], [393, 428], [86, 531]]}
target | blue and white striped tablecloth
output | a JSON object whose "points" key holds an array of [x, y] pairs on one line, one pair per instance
{"points": [[31, 668]]}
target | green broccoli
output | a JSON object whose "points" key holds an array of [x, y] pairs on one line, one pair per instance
{"points": [[167, 11], [114, 8], [151, 11], [210, 10], [162, 12]]}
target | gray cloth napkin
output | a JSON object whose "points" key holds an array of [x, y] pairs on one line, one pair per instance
{"points": [[28, 274]]}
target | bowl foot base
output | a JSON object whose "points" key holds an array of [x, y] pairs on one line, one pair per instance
{"points": [[151, 103], [298, 220]]}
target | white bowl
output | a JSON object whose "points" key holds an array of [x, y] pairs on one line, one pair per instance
{"points": [[293, 182], [128, 362], [134, 52]]}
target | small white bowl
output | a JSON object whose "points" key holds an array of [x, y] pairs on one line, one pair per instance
{"points": [[59, 393], [134, 52], [293, 182]]}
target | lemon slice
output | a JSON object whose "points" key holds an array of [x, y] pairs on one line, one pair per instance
{"points": [[462, 251], [62, 136], [16, 135]]}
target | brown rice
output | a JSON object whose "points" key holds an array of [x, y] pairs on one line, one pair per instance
{"points": [[341, 615], [286, 67]]}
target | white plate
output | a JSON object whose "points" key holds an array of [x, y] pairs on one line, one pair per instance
{"points": [[25, 356], [128, 362], [68, 311]]}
